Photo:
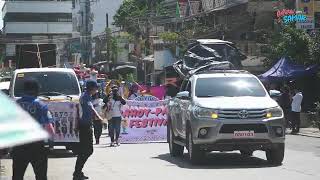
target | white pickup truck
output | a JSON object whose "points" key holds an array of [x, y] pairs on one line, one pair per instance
{"points": [[60, 90]]}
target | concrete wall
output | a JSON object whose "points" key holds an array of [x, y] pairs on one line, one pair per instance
{"points": [[38, 27], [37, 7]]}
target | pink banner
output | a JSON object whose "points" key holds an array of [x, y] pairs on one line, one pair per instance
{"points": [[157, 91], [144, 121]]}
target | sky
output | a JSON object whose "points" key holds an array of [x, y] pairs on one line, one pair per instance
{"points": [[1, 4]]}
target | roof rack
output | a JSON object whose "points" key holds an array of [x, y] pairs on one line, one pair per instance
{"points": [[225, 71], [216, 67]]}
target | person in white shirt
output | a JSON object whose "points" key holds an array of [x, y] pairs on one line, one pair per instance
{"points": [[295, 110], [133, 92], [114, 102], [97, 124]]}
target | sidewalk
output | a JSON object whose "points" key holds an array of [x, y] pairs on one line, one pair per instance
{"points": [[309, 132]]}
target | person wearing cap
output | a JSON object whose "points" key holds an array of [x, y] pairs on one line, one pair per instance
{"points": [[85, 130], [114, 102], [34, 153]]}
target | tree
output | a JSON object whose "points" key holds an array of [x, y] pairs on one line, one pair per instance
{"points": [[134, 13], [128, 15], [290, 42], [315, 49]]}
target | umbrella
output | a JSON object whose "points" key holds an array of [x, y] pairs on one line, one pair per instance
{"points": [[125, 66]]}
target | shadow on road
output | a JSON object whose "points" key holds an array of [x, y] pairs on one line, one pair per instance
{"points": [[53, 154], [218, 161], [60, 153]]}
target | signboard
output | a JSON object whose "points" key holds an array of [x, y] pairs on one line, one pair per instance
{"points": [[16, 126], [306, 7], [288, 16], [308, 24], [65, 115], [144, 121]]}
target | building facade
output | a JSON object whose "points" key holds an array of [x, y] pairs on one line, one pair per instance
{"points": [[36, 30], [100, 17]]}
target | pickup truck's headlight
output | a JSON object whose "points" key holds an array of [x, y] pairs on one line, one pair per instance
{"points": [[274, 112], [200, 112]]}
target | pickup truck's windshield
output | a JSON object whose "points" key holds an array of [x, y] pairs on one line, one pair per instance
{"points": [[51, 83], [229, 87]]}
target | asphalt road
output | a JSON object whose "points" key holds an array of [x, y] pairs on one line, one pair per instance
{"points": [[152, 161]]}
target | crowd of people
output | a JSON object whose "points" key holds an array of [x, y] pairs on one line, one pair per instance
{"points": [[98, 109], [105, 108]]}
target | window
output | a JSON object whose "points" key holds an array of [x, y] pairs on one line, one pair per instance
{"points": [[38, 17], [229, 87], [51, 83]]}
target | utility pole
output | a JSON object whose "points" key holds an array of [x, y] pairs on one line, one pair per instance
{"points": [[151, 10], [108, 42], [85, 31]]}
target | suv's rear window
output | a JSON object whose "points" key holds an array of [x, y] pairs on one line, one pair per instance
{"points": [[229, 87], [51, 83]]}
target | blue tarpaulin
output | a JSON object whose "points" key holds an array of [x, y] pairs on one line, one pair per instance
{"points": [[284, 70]]}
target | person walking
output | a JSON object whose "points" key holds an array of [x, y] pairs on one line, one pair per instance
{"points": [[114, 102], [34, 153], [284, 102], [295, 110], [85, 130], [97, 124]]}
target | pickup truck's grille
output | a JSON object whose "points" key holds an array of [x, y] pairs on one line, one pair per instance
{"points": [[230, 128], [242, 114]]}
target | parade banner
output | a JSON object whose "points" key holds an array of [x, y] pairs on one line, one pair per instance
{"points": [[144, 120], [65, 115], [16, 126]]}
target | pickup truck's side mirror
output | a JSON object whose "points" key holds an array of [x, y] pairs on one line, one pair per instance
{"points": [[183, 95], [242, 56], [274, 94]]}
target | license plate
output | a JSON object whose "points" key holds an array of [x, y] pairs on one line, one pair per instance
{"points": [[243, 134]]}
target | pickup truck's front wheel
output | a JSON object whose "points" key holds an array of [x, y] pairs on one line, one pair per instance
{"points": [[176, 150], [195, 154], [275, 155]]}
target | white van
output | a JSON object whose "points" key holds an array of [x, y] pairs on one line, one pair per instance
{"points": [[60, 90]]}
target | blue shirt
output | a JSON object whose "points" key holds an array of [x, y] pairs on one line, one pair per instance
{"points": [[87, 106], [37, 109]]}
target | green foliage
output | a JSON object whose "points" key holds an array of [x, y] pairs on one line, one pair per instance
{"points": [[290, 42], [315, 49], [131, 78], [114, 49], [170, 37], [127, 14], [134, 13]]}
